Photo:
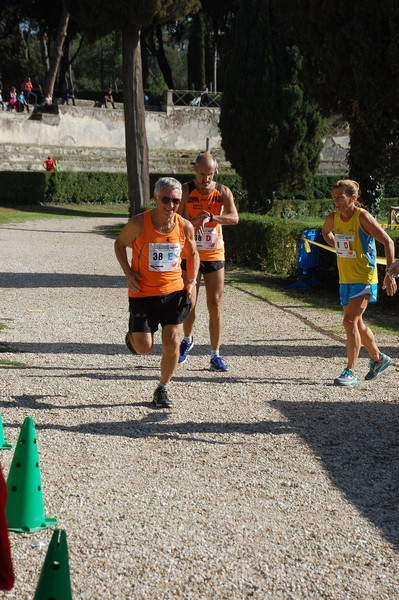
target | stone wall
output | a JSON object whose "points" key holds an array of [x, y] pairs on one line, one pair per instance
{"points": [[89, 138], [184, 128]]}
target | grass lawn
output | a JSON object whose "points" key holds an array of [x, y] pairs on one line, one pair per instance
{"points": [[381, 316], [27, 213]]}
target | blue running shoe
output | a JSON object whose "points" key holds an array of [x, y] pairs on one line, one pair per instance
{"points": [[185, 348], [217, 364], [347, 377], [378, 366]]}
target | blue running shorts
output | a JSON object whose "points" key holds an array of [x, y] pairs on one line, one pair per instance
{"points": [[348, 291]]}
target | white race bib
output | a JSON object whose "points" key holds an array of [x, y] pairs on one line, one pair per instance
{"points": [[208, 239], [163, 257], [342, 245]]}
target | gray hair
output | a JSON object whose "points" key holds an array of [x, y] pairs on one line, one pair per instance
{"points": [[169, 183]]}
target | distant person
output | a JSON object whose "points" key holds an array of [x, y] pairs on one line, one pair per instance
{"points": [[68, 95], [205, 100], [208, 205], [29, 94], [49, 164], [1, 99], [158, 295], [146, 100], [108, 98], [13, 100], [196, 101], [57, 167], [353, 231], [21, 102]]}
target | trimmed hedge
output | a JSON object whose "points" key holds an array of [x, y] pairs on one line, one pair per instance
{"points": [[80, 187], [83, 187], [263, 243], [35, 188]]}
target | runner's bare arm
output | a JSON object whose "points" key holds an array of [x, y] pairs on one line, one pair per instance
{"points": [[327, 230], [129, 233], [229, 214], [182, 206], [373, 228], [192, 258]]}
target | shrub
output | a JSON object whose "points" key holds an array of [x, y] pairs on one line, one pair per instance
{"points": [[263, 243]]}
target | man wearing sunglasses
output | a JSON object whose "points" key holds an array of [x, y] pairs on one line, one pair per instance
{"points": [[208, 205], [157, 293]]}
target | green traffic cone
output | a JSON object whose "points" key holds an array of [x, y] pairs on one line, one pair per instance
{"points": [[54, 581], [25, 510], [3, 444]]}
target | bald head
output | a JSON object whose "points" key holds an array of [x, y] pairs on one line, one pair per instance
{"points": [[205, 168], [205, 159]]}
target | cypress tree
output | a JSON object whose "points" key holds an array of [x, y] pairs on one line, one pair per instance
{"points": [[351, 54], [271, 131]]}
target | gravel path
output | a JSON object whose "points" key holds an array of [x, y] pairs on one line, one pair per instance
{"points": [[264, 482]]}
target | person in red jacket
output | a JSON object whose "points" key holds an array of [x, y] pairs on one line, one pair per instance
{"points": [[6, 568], [28, 87]]}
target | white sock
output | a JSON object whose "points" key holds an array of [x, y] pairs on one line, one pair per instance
{"points": [[188, 339], [214, 353]]}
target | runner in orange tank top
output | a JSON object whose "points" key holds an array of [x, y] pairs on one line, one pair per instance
{"points": [[158, 294], [208, 205]]}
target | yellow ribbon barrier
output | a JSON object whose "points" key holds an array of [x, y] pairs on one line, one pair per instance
{"points": [[381, 260]]}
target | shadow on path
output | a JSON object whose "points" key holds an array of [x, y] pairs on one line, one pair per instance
{"points": [[199, 351], [60, 280], [358, 444]]}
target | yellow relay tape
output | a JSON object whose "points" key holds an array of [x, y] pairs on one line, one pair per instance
{"points": [[380, 259]]}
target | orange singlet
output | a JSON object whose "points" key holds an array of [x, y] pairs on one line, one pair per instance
{"points": [[156, 257], [210, 245]]}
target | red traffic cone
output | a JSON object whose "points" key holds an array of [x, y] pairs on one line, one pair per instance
{"points": [[25, 509], [6, 569], [54, 581]]}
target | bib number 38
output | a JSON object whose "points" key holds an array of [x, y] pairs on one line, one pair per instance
{"points": [[163, 257]]}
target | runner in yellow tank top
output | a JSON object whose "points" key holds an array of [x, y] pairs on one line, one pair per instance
{"points": [[208, 205], [353, 231], [157, 292]]}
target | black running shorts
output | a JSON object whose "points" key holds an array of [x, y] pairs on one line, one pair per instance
{"points": [[206, 266], [149, 312]]}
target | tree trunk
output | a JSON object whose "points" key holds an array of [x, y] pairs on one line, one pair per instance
{"points": [[144, 57], [44, 52], [163, 61], [65, 71], [135, 134], [56, 58]]}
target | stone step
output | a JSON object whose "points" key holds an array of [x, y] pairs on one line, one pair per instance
{"points": [[30, 157]]}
